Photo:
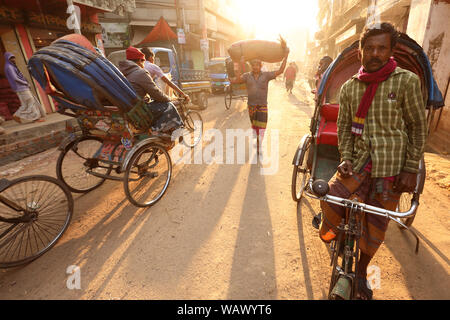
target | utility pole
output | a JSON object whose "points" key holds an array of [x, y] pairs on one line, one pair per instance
{"points": [[180, 25], [204, 36]]}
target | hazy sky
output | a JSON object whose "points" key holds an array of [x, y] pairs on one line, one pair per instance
{"points": [[293, 19]]}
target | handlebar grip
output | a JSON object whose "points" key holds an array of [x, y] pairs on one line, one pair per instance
{"points": [[320, 187]]}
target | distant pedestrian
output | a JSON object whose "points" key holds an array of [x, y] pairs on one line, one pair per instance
{"points": [[30, 108], [290, 75]]}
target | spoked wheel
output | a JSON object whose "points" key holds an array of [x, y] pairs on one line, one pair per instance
{"points": [[334, 270], [194, 129], [76, 162], [147, 175], [34, 213], [403, 205], [301, 173], [228, 99]]}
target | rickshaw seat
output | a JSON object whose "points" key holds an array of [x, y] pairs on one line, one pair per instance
{"points": [[328, 128]]}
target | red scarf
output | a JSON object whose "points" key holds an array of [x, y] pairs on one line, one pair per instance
{"points": [[373, 79]]}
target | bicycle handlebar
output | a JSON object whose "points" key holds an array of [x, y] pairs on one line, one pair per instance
{"points": [[320, 189], [347, 203]]}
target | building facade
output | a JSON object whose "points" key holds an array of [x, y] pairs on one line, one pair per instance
{"points": [[205, 28]]}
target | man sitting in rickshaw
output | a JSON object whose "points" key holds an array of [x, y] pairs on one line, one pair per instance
{"points": [[166, 117], [381, 131]]}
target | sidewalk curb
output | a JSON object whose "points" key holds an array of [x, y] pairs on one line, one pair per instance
{"points": [[23, 143]]}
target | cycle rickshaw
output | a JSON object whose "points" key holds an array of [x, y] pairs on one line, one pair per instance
{"points": [[117, 127], [234, 90], [317, 158]]}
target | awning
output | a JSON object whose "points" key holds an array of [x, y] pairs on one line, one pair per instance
{"points": [[149, 23], [160, 32]]}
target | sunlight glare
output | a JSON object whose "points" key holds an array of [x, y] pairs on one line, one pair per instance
{"points": [[295, 20]]}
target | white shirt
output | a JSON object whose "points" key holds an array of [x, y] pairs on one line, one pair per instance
{"points": [[154, 70]]}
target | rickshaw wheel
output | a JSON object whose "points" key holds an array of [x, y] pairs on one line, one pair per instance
{"points": [[43, 207], [228, 99], [194, 129], [403, 205], [299, 183], [147, 175], [405, 199], [74, 161]]}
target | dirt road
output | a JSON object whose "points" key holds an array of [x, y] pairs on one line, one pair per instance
{"points": [[224, 231]]}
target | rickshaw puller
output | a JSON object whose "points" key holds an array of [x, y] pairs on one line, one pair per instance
{"points": [[381, 131]]}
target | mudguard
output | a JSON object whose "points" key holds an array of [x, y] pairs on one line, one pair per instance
{"points": [[300, 154]]}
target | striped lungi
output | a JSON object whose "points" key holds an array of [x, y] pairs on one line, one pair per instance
{"points": [[258, 117], [362, 186]]}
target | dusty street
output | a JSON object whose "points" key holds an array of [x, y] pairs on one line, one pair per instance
{"points": [[224, 231]]}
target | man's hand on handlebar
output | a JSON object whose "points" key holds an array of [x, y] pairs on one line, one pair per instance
{"points": [[346, 169], [405, 182]]}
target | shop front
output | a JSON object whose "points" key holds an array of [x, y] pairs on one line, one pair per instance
{"points": [[23, 32]]}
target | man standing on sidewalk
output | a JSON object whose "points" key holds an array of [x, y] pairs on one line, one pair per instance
{"points": [[381, 137], [30, 109]]}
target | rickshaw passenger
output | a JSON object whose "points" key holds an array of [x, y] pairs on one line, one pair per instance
{"points": [[167, 118], [381, 138]]}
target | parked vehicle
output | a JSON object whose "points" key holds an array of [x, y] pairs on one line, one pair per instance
{"points": [[194, 82], [218, 74]]}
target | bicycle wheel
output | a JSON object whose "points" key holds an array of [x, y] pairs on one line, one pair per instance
{"points": [[301, 173], [228, 99], [147, 175], [403, 205], [76, 161], [41, 208], [194, 129]]}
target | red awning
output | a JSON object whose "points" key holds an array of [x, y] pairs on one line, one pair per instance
{"points": [[160, 32]]}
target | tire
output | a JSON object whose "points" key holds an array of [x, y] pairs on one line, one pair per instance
{"points": [[228, 100], [139, 181], [301, 173], [404, 203], [194, 129], [71, 167], [203, 100], [48, 209]]}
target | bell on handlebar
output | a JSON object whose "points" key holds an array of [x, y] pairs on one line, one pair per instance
{"points": [[320, 187]]}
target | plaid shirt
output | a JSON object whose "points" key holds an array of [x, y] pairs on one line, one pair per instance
{"points": [[395, 128]]}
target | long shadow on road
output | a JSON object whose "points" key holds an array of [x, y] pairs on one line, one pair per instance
{"points": [[253, 270]]}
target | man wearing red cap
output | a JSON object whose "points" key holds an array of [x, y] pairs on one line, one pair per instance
{"points": [[168, 118]]}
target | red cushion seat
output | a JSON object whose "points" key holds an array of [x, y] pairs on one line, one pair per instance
{"points": [[328, 128]]}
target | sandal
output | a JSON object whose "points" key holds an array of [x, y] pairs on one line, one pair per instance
{"points": [[364, 292], [17, 119], [39, 120], [316, 220]]}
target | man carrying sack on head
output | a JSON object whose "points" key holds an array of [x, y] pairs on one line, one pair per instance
{"points": [[257, 82], [381, 130]]}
